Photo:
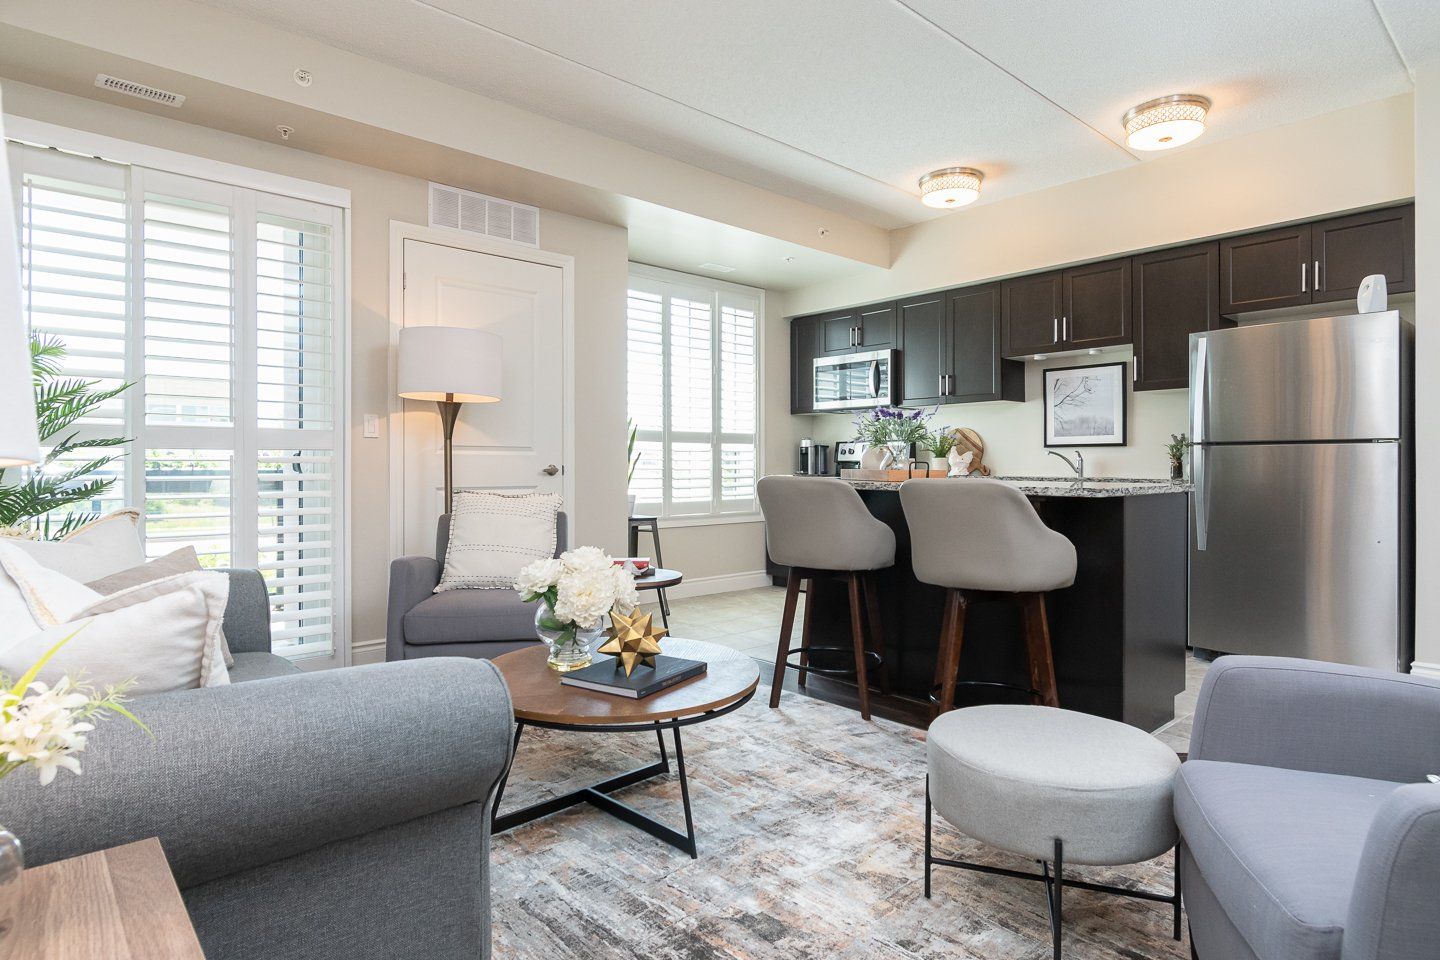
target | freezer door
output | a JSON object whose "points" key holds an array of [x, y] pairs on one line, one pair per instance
{"points": [[1295, 552], [1335, 378]]}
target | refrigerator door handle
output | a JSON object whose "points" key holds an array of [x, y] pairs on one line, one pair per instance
{"points": [[1199, 399], [1202, 496]]}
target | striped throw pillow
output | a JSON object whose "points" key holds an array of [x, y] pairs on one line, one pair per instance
{"points": [[494, 535]]}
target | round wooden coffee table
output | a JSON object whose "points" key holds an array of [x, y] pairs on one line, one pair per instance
{"points": [[662, 577], [540, 700]]}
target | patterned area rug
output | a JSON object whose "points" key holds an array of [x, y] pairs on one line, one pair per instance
{"points": [[811, 828]]}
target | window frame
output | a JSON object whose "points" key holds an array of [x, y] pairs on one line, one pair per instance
{"points": [[668, 282], [248, 193]]}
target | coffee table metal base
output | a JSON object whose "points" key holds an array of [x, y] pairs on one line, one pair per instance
{"points": [[599, 795]]}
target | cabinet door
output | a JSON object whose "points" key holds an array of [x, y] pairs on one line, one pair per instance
{"points": [[1031, 307], [977, 372], [877, 327], [1263, 270], [804, 348], [1175, 293], [838, 332], [1097, 305], [1346, 250], [924, 349]]}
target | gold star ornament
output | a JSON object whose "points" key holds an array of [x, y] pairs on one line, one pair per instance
{"points": [[633, 639]]}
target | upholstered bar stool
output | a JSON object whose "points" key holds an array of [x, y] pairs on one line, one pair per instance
{"points": [[820, 529], [980, 539]]}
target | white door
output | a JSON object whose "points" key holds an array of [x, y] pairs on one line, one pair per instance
{"points": [[513, 446]]}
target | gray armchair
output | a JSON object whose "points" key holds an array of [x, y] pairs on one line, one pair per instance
{"points": [[455, 623], [333, 815], [1308, 830]]}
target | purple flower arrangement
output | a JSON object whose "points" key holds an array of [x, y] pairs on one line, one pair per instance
{"points": [[893, 425]]}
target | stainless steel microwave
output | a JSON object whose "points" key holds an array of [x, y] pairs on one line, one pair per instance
{"points": [[855, 380]]}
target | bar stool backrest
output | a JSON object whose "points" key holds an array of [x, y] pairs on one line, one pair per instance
{"points": [[822, 524], [977, 534]]}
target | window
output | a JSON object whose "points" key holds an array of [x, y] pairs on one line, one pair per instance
{"points": [[220, 304], [693, 393]]}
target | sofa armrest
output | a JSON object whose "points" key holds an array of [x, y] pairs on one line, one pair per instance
{"points": [[247, 612], [239, 776], [1321, 717], [1392, 911], [412, 579]]}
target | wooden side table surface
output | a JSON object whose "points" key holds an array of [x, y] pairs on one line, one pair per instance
{"points": [[116, 904]]}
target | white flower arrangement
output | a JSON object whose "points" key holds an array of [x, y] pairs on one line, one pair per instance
{"points": [[45, 726], [580, 588]]}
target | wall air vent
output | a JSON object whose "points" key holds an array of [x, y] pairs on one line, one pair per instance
{"points": [[488, 216], [132, 89]]}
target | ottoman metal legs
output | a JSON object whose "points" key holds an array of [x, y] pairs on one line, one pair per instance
{"points": [[1052, 874]]}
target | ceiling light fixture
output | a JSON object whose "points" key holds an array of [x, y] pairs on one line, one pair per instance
{"points": [[950, 187], [1166, 122]]}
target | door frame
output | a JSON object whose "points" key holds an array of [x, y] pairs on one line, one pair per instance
{"points": [[401, 231]]}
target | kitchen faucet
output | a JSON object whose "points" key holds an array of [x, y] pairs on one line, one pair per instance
{"points": [[1078, 464]]}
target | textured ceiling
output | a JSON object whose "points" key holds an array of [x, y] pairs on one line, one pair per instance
{"points": [[845, 103]]}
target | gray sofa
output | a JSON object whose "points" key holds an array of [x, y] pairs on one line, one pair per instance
{"points": [[1307, 829], [455, 623], [333, 815]]}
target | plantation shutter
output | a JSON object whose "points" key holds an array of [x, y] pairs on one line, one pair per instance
{"points": [[221, 305], [693, 395]]}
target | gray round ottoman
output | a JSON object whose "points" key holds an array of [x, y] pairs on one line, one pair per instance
{"points": [[1054, 786]]}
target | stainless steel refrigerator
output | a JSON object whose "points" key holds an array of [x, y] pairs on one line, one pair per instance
{"points": [[1301, 523]]}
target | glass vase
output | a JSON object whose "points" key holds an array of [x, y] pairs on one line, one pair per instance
{"points": [[1177, 470], [570, 646], [12, 877]]}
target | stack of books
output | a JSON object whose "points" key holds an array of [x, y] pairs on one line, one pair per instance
{"points": [[608, 676]]}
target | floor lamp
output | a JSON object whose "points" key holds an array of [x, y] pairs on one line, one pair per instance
{"points": [[451, 366]]}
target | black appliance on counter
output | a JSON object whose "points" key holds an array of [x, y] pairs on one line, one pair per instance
{"points": [[814, 458]]}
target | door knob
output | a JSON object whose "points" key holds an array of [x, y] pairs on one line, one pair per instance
{"points": [[551, 470]]}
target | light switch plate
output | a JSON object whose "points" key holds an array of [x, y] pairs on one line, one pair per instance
{"points": [[372, 426]]}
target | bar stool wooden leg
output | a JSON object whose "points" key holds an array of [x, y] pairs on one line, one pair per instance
{"points": [[787, 624], [805, 630], [1037, 644], [951, 641], [857, 633], [879, 642]]}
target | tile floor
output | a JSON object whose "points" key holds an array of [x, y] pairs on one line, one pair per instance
{"points": [[749, 621]]}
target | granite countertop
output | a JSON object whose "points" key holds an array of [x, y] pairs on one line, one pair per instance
{"points": [[1062, 486]]}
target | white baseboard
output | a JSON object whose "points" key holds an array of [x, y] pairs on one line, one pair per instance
{"points": [[1423, 669], [704, 586], [367, 651]]}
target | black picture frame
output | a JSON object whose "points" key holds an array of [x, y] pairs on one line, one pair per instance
{"points": [[1118, 381]]}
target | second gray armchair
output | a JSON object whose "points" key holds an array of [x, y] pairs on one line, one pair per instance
{"points": [[455, 623]]}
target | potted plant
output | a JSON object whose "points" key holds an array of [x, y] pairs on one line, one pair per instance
{"points": [[577, 591], [896, 428], [1176, 449]]}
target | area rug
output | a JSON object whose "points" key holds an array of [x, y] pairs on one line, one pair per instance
{"points": [[810, 827]]}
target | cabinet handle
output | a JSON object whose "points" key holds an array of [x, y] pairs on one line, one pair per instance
{"points": [[949, 384], [1135, 371], [1317, 276], [1303, 268], [1065, 328], [1054, 331], [939, 384], [859, 336]]}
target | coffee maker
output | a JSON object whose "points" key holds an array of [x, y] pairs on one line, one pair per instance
{"points": [[814, 458]]}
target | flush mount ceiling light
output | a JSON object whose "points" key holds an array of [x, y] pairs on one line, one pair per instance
{"points": [[950, 187], [1166, 122]]}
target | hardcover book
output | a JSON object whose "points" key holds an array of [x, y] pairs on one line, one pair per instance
{"points": [[608, 676]]}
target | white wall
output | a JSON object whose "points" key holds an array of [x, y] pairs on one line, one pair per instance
{"points": [[1352, 158], [1427, 366]]}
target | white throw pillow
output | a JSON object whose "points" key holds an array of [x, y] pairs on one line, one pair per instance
{"points": [[163, 635], [96, 550], [494, 535], [33, 597]]}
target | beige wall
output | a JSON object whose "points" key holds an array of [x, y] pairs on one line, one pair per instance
{"points": [[1351, 158], [1427, 366], [377, 197]]}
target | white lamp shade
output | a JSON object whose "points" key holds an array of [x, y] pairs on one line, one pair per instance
{"points": [[449, 363], [19, 443]]}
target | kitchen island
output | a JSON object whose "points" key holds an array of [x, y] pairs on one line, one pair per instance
{"points": [[1117, 635]]}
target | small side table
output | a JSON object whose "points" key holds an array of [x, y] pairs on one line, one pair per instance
{"points": [[116, 904], [650, 524], [658, 581]]}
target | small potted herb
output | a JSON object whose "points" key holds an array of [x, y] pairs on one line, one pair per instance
{"points": [[1178, 446]]}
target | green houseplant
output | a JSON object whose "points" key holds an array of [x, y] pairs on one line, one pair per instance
{"points": [[28, 503], [1176, 449]]}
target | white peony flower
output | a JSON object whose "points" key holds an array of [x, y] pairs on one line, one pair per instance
{"points": [[538, 577]]}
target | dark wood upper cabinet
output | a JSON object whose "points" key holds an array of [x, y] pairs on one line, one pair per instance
{"points": [[1097, 305], [1030, 310], [924, 346], [1175, 293], [1264, 270], [804, 348], [1346, 250], [838, 331], [876, 327], [977, 371]]}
